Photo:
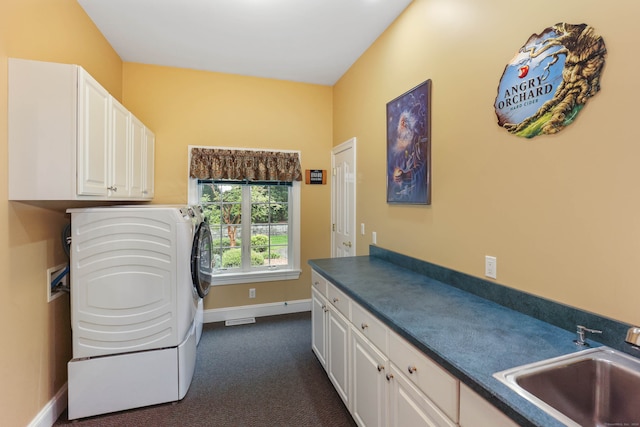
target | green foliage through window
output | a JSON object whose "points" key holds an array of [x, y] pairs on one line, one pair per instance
{"points": [[258, 212]]}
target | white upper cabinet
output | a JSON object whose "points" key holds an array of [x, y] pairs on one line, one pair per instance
{"points": [[93, 136], [142, 152], [69, 139], [121, 166], [148, 189], [137, 157]]}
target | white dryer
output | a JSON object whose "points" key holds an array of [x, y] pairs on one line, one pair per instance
{"points": [[201, 261], [133, 305]]}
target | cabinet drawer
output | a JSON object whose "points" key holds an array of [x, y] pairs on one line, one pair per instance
{"points": [[339, 300], [319, 283], [437, 384], [410, 406], [477, 412], [370, 327]]}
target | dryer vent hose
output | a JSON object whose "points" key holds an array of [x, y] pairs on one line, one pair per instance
{"points": [[66, 246], [66, 239]]}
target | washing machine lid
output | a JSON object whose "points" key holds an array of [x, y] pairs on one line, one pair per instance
{"points": [[201, 258]]}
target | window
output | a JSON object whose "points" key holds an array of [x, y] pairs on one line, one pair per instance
{"points": [[255, 228]]}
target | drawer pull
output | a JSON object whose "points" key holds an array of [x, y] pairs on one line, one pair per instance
{"points": [[389, 377], [380, 368], [316, 283], [324, 308], [364, 326], [335, 300], [412, 369]]}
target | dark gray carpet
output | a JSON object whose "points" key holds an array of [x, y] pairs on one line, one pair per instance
{"points": [[262, 374]]}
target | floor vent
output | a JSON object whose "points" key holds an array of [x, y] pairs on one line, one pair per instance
{"points": [[243, 321]]}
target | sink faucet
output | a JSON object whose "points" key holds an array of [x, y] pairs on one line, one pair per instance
{"points": [[633, 336], [580, 331]]}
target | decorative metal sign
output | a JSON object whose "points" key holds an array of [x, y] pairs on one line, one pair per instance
{"points": [[550, 79], [315, 176]]}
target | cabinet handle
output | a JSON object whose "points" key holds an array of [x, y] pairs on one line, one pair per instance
{"points": [[347, 244], [112, 188], [412, 369], [364, 326], [316, 283], [335, 300], [380, 368], [389, 377], [324, 308]]}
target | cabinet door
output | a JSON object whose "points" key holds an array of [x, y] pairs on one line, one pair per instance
{"points": [[429, 377], [369, 391], [93, 136], [148, 189], [319, 326], [410, 407], [120, 151], [338, 355], [138, 158]]}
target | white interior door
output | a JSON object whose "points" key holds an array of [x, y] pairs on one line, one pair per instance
{"points": [[343, 199]]}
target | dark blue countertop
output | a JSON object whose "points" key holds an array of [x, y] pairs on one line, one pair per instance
{"points": [[469, 336]]}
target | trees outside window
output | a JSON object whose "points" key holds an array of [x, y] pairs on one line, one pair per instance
{"points": [[250, 223]]}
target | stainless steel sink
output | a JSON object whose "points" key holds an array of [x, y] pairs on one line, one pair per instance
{"points": [[596, 387]]}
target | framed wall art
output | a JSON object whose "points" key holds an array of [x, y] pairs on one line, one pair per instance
{"points": [[409, 147]]}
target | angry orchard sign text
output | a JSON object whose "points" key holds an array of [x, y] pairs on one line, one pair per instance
{"points": [[549, 80]]}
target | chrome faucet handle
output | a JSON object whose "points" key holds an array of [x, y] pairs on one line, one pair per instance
{"points": [[633, 336], [580, 331]]}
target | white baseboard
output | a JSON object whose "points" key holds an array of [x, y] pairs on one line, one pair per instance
{"points": [[52, 410], [257, 310]]}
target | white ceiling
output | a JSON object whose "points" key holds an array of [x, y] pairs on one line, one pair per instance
{"points": [[311, 41]]}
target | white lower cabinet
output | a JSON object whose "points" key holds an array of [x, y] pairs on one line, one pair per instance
{"points": [[477, 412], [429, 377], [408, 406], [330, 334], [369, 392], [319, 315], [338, 353], [382, 379]]}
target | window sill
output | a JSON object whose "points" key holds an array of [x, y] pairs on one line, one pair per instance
{"points": [[253, 277]]}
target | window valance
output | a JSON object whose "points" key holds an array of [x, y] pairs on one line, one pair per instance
{"points": [[245, 165]]}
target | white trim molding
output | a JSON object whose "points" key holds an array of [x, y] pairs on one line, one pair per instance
{"points": [[52, 410], [256, 310]]}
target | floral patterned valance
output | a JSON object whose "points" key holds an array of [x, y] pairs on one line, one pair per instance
{"points": [[245, 165]]}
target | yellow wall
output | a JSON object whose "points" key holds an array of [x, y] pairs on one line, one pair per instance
{"points": [[36, 337], [559, 212], [185, 107]]}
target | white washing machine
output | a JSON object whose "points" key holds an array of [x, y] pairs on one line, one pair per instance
{"points": [[134, 301]]}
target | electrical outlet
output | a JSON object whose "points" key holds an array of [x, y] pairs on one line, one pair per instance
{"points": [[252, 293], [374, 237], [490, 266], [52, 274]]}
